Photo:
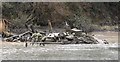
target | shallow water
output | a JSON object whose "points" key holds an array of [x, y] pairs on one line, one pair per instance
{"points": [[62, 52], [17, 51]]}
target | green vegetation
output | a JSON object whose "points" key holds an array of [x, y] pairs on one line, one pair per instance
{"points": [[85, 16]]}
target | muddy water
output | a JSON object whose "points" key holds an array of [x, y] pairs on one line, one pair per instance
{"points": [[17, 51]]}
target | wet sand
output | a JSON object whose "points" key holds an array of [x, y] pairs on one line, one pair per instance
{"points": [[110, 36]]}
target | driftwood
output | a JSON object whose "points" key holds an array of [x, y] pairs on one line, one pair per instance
{"points": [[59, 39], [87, 39], [14, 38]]}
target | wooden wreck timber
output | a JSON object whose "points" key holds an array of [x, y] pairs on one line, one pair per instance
{"points": [[47, 42], [68, 39], [73, 36]]}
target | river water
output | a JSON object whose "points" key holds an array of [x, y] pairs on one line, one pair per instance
{"points": [[17, 51]]}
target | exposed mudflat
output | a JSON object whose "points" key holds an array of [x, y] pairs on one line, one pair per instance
{"points": [[17, 51]]}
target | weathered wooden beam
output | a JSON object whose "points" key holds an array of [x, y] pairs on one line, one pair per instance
{"points": [[50, 25], [48, 42]]}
